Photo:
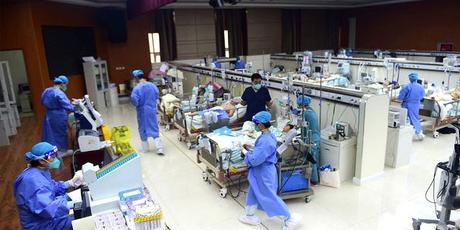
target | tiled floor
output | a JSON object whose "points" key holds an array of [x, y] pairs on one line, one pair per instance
{"points": [[189, 203]]}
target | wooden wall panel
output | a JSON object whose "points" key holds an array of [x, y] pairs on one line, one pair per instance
{"points": [[195, 33], [416, 25], [20, 28]]}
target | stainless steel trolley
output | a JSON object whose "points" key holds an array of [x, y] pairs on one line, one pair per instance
{"points": [[294, 159]]}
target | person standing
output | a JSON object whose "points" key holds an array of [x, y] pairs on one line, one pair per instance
{"points": [[311, 118], [256, 97], [239, 64], [263, 178], [411, 95], [54, 130], [144, 97]]}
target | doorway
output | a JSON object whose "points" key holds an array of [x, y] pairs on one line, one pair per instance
{"points": [[19, 83]]}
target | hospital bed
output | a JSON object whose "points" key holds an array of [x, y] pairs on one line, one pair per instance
{"points": [[166, 108], [220, 153], [193, 120], [222, 157], [439, 113]]}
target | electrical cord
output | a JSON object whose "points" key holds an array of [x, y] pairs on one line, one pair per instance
{"points": [[343, 111], [333, 113], [432, 185], [240, 190], [229, 177]]}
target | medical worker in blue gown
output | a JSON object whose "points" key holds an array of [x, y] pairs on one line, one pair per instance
{"points": [[311, 117], [54, 130], [41, 201], [240, 64], [411, 96], [216, 63], [145, 96], [263, 179]]}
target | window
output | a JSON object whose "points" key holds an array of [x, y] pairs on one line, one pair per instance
{"points": [[154, 47], [227, 49]]}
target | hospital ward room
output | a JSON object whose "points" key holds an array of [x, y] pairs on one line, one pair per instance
{"points": [[229, 115]]}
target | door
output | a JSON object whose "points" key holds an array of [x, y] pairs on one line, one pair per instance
{"points": [[105, 78], [4, 91], [5, 104], [8, 82]]}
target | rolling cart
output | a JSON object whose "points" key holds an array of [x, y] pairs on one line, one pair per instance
{"points": [[292, 168]]}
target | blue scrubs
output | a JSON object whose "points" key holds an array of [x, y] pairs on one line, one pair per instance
{"points": [[144, 97], [240, 64], [217, 64], [256, 101], [54, 130], [311, 117], [263, 179], [411, 95], [41, 201]]}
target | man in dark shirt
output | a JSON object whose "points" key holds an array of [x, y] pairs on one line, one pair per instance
{"points": [[256, 97]]}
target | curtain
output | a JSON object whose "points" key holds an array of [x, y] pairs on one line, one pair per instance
{"points": [[219, 30], [290, 39], [165, 26], [233, 20], [333, 30]]}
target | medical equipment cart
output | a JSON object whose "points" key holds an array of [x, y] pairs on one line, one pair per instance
{"points": [[294, 160]]}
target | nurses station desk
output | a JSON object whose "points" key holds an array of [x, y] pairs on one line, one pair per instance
{"points": [[114, 197]]}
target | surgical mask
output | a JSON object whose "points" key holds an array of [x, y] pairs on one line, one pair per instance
{"points": [[258, 86], [54, 164], [257, 128], [64, 88]]}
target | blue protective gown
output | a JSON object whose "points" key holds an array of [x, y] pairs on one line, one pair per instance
{"points": [[411, 95], [312, 118], [263, 179], [54, 130], [41, 201], [240, 64], [144, 97], [217, 64]]}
